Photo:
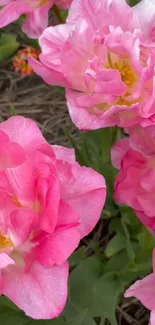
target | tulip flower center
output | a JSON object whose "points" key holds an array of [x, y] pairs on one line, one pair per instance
{"points": [[5, 243], [126, 72], [128, 75]]}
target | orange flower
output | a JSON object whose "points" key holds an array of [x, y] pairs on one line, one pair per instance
{"points": [[20, 60]]}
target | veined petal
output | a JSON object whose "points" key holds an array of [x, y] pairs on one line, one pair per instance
{"points": [[50, 76], [85, 191], [23, 131], [40, 292]]}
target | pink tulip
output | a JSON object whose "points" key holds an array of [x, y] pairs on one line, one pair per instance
{"points": [[142, 139], [48, 202], [36, 12], [107, 65], [144, 290], [63, 4], [135, 182]]}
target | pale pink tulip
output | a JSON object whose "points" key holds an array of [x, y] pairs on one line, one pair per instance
{"points": [[48, 202], [36, 12], [135, 182], [144, 290], [107, 65], [142, 139]]}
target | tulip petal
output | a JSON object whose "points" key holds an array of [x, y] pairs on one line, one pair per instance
{"points": [[85, 191], [144, 291], [40, 292]]}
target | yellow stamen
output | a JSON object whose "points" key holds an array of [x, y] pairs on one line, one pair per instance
{"points": [[5, 243], [128, 75], [15, 200]]}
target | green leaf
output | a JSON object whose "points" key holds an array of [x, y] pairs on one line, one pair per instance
{"points": [[64, 14], [115, 245], [60, 89], [88, 321], [20, 20], [133, 2], [70, 312], [4, 301], [117, 263], [57, 321], [76, 258], [119, 226], [81, 283], [128, 272], [116, 226], [10, 316], [79, 319], [129, 247], [13, 110], [7, 39], [80, 155], [97, 144], [8, 46], [129, 217], [143, 261], [146, 240], [107, 291], [94, 292]]}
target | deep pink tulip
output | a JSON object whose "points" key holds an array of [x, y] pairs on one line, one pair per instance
{"points": [[48, 202]]}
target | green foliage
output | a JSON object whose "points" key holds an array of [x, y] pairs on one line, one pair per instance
{"points": [[107, 291], [77, 257], [81, 285], [12, 110], [115, 245], [133, 2], [9, 314], [92, 290], [8, 46]]}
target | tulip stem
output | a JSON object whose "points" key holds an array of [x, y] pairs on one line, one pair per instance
{"points": [[58, 14]]}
